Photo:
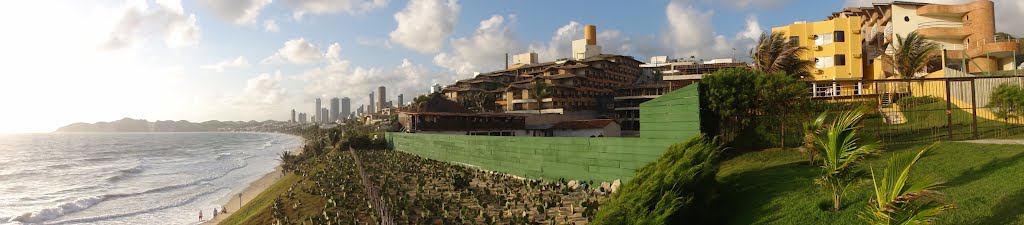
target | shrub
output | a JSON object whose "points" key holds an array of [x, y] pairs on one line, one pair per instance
{"points": [[1006, 101], [678, 185]]}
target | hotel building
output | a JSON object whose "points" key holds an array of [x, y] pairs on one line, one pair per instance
{"points": [[847, 47]]}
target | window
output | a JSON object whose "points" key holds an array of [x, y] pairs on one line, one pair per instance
{"points": [[840, 60], [840, 36], [823, 39], [823, 62], [795, 39]]}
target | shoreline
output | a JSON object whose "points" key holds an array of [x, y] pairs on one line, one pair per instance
{"points": [[253, 189]]}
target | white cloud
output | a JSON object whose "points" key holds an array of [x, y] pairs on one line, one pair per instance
{"points": [[236, 11], [303, 7], [484, 50], [296, 51], [266, 89], [166, 19], [239, 62], [271, 26], [339, 79], [424, 25], [690, 34], [753, 30]]}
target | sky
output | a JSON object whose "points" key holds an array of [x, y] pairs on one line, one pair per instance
{"points": [[103, 60]]}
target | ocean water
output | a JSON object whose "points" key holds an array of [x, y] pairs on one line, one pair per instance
{"points": [[129, 178]]}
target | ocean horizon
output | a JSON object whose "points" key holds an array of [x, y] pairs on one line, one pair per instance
{"points": [[129, 178]]}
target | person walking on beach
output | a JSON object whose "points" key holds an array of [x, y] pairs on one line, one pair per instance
{"points": [[200, 215], [214, 213]]}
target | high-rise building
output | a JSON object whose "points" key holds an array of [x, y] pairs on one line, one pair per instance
{"points": [[369, 108], [359, 112], [346, 107], [381, 98], [302, 117], [316, 112], [401, 101], [324, 118], [293, 117], [335, 107]]}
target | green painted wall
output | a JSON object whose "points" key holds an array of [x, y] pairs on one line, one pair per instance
{"points": [[666, 120]]}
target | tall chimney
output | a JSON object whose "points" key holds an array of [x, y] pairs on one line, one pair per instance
{"points": [[506, 60], [590, 33]]}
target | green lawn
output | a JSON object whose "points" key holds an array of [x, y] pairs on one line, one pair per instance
{"points": [[984, 182], [928, 122]]}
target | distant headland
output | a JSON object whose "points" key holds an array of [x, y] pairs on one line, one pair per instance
{"points": [[141, 125]]}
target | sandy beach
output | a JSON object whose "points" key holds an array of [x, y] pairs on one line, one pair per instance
{"points": [[251, 191]]}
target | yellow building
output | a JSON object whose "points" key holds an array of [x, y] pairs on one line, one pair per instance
{"points": [[848, 46], [836, 49]]}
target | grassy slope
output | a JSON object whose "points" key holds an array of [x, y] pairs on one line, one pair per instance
{"points": [[258, 209], [777, 187]]}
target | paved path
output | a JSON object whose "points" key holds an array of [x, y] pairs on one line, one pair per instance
{"points": [[371, 192], [997, 141]]}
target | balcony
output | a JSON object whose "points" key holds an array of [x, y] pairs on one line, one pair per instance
{"points": [[943, 29]]}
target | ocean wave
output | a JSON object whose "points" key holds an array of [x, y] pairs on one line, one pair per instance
{"points": [[267, 144], [171, 204], [58, 210], [121, 174]]}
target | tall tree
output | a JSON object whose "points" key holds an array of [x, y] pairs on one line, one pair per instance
{"points": [[774, 53], [539, 92], [782, 95], [730, 94], [911, 54]]}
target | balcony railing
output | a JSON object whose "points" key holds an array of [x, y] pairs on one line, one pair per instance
{"points": [[888, 30], [940, 24]]}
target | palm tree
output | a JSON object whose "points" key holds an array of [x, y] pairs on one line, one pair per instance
{"points": [[841, 149], [811, 131], [774, 53], [540, 92], [902, 199], [911, 54]]}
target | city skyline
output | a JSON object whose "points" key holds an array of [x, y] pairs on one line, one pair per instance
{"points": [[184, 60]]}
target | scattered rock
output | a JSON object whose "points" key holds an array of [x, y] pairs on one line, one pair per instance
{"points": [[573, 184], [615, 185]]}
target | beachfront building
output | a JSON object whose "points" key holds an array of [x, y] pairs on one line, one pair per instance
{"points": [[302, 118], [316, 111], [583, 83], [660, 76], [292, 120], [847, 47], [463, 123]]}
